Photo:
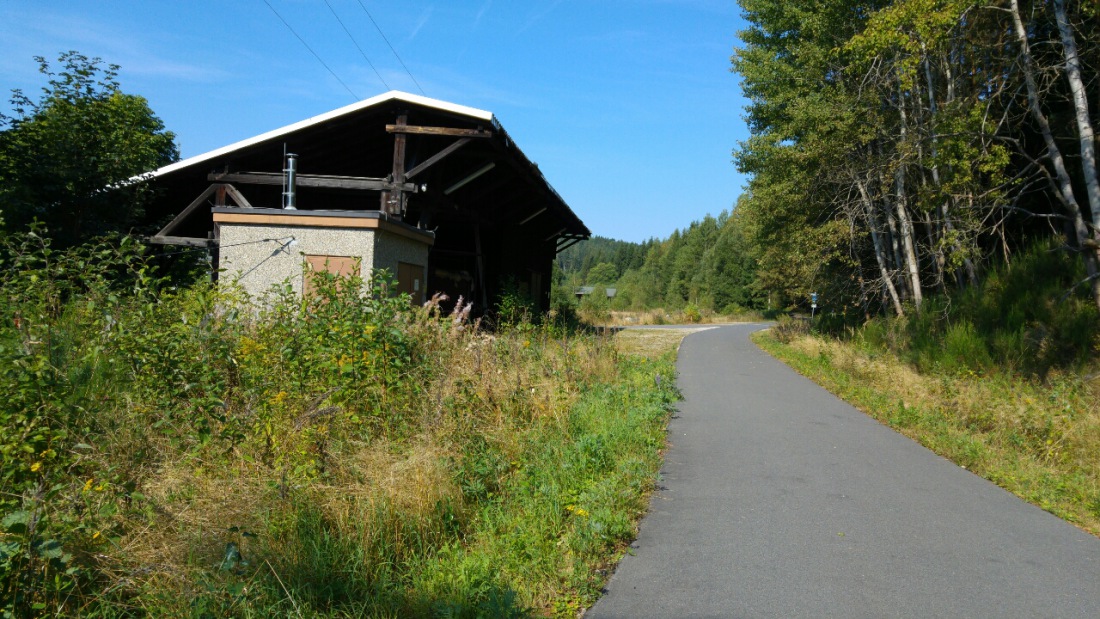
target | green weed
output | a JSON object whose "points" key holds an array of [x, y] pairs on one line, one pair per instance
{"points": [[190, 452]]}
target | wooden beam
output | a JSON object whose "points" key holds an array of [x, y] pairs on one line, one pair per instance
{"points": [[555, 235], [566, 246], [237, 196], [160, 239], [436, 157], [533, 215], [314, 180], [458, 133], [195, 204]]}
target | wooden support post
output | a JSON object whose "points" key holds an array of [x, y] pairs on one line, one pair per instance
{"points": [[481, 268], [394, 202], [213, 252]]}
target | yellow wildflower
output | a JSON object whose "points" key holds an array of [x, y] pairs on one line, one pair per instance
{"points": [[35, 467]]}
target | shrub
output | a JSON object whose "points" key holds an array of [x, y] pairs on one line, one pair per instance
{"points": [[60, 313], [1031, 317], [789, 329], [692, 313], [187, 452]]}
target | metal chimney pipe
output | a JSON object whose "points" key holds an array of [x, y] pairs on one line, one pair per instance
{"points": [[290, 180]]}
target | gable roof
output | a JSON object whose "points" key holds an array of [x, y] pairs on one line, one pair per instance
{"points": [[353, 141], [393, 95]]}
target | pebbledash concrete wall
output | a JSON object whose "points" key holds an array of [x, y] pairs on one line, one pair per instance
{"points": [[389, 249], [260, 254]]}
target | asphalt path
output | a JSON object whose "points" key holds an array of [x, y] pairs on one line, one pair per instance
{"points": [[777, 499]]}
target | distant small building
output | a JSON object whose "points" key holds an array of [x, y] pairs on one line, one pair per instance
{"points": [[584, 291], [436, 193]]}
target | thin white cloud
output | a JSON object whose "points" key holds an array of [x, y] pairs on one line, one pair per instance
{"points": [[538, 16], [53, 33], [425, 15], [481, 13]]}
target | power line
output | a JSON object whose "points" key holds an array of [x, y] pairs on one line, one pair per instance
{"points": [[398, 56], [303, 41], [364, 54], [219, 246]]}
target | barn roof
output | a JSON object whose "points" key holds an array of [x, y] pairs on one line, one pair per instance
{"points": [[275, 134], [489, 181]]}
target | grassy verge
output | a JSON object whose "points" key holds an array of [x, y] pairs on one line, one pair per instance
{"points": [[651, 343], [181, 453], [1038, 440], [689, 315]]}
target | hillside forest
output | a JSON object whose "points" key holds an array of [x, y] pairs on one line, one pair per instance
{"points": [[926, 159]]}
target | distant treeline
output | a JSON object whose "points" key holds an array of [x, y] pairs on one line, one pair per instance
{"points": [[708, 265]]}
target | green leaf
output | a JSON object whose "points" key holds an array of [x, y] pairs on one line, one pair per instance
{"points": [[51, 549], [16, 522]]}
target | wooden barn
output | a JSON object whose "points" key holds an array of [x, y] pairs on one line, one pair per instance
{"points": [[438, 194]]}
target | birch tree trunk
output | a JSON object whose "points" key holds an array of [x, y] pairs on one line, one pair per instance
{"points": [[912, 267], [1085, 133], [1064, 184], [876, 240], [908, 247]]}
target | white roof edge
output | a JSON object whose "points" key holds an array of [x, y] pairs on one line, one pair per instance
{"points": [[347, 109]]}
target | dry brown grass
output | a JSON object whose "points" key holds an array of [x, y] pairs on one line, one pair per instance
{"points": [[413, 479], [679, 317], [651, 343]]}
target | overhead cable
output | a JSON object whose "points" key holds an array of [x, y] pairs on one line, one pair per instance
{"points": [[303, 41], [398, 56], [364, 54]]}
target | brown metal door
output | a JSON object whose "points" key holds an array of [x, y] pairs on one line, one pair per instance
{"points": [[410, 280]]}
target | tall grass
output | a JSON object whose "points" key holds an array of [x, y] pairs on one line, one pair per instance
{"points": [[1031, 317], [185, 452]]}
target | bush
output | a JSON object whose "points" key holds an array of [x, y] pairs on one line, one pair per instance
{"points": [[61, 313], [789, 329], [514, 306], [172, 452], [1031, 317], [692, 313]]}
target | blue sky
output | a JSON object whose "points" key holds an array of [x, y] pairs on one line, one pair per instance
{"points": [[628, 106]]}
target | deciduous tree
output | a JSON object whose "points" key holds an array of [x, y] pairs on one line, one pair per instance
{"points": [[68, 159]]}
